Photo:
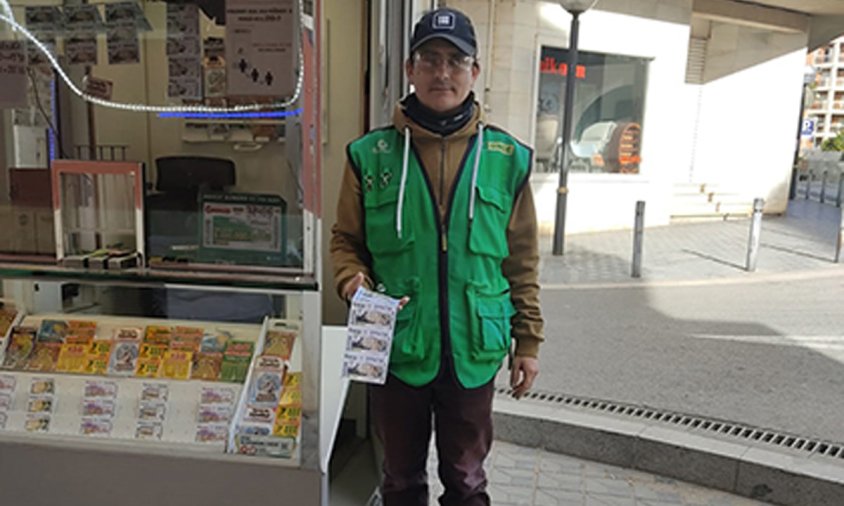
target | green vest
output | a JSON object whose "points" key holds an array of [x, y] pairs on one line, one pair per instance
{"points": [[459, 299]]}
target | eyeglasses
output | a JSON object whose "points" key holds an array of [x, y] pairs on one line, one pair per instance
{"points": [[429, 61]]}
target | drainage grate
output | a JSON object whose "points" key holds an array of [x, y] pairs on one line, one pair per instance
{"points": [[691, 422]]}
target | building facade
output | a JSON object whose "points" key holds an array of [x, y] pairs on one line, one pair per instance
{"points": [[825, 101], [669, 93]]}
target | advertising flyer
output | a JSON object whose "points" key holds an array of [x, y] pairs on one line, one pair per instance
{"points": [[123, 46], [12, 74], [372, 318], [84, 18], [126, 14], [35, 56], [44, 18], [243, 228], [81, 49], [260, 58], [183, 52]]}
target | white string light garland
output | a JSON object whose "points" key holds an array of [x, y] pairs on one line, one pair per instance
{"points": [[8, 17]]}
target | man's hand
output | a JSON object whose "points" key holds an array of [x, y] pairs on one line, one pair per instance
{"points": [[522, 375], [356, 282], [352, 286]]}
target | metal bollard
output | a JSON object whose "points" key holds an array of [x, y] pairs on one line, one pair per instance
{"points": [[755, 229], [838, 198], [638, 236], [840, 244], [808, 185], [823, 187]]}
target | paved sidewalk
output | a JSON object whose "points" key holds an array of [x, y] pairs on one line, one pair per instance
{"points": [[534, 477], [803, 239]]}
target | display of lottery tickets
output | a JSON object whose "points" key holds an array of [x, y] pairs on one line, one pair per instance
{"points": [[270, 414]]}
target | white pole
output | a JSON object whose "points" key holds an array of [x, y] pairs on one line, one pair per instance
{"points": [[638, 236], [755, 229]]}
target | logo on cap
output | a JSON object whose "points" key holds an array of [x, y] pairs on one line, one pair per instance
{"points": [[444, 21]]}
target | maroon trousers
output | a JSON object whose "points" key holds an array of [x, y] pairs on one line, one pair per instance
{"points": [[462, 422]]}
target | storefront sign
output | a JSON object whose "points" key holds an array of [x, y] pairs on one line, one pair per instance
{"points": [[549, 65]]}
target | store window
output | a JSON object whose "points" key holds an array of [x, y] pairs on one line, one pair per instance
{"points": [[206, 163], [609, 104]]}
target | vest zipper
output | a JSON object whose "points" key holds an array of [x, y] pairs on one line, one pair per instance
{"points": [[442, 203], [442, 264]]}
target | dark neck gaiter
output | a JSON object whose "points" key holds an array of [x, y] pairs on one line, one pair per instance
{"points": [[438, 123]]}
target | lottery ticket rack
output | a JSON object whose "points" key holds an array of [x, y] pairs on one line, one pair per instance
{"points": [[104, 407]]}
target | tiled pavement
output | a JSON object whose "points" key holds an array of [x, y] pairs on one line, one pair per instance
{"points": [[520, 476], [803, 239]]}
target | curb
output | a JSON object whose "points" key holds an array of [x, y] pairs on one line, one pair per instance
{"points": [[750, 468], [827, 271]]}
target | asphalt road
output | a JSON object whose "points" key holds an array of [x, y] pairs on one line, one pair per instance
{"points": [[764, 353]]}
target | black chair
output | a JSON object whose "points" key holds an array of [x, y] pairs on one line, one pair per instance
{"points": [[172, 210], [190, 173]]}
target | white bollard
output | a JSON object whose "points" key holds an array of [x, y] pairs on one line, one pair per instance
{"points": [[755, 229]]}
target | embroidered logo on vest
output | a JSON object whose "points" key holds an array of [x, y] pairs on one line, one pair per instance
{"points": [[386, 177], [368, 183], [501, 147], [381, 147]]}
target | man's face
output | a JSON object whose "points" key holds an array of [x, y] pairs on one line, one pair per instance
{"points": [[442, 75]]}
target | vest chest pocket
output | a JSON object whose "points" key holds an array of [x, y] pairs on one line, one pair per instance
{"points": [[488, 235], [380, 208], [492, 313]]}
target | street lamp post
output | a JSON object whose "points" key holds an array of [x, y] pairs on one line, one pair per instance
{"points": [[806, 98], [575, 8]]}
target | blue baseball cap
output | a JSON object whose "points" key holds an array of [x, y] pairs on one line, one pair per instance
{"points": [[447, 24]]}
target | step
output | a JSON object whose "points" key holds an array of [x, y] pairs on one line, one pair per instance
{"points": [[688, 188], [735, 208], [685, 208]]}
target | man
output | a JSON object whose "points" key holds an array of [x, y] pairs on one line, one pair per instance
{"points": [[436, 210]]}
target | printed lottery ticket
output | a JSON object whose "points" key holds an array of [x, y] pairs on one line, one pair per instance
{"points": [[372, 318]]}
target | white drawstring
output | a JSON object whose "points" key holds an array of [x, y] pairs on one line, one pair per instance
{"points": [[403, 180], [475, 170]]}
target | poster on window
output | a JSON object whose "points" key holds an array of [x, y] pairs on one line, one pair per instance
{"points": [[243, 228], [183, 54], [126, 14], [81, 49], [44, 18], [12, 74], [260, 56], [35, 56], [84, 18], [123, 46]]}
